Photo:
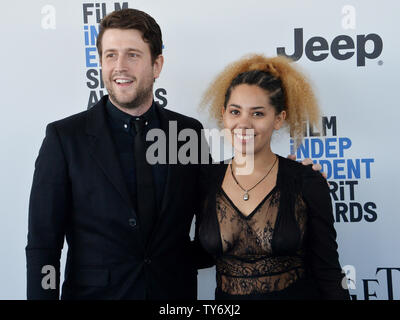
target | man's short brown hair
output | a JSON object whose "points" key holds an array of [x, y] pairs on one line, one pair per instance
{"points": [[133, 19]]}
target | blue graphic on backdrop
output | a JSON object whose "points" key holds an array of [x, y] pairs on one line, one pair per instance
{"points": [[344, 174], [92, 15]]}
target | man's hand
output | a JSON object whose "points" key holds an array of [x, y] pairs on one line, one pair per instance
{"points": [[308, 161]]}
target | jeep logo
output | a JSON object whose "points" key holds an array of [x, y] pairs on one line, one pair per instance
{"points": [[341, 48]]}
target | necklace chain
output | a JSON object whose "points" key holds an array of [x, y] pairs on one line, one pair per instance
{"points": [[246, 192]]}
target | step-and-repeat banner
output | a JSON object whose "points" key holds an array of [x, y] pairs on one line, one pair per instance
{"points": [[349, 50]]}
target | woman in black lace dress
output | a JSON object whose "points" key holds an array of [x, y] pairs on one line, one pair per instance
{"points": [[267, 220]]}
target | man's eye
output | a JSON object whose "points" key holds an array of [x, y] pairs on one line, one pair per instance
{"points": [[133, 55], [110, 55]]}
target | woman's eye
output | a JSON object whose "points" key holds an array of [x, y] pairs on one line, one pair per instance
{"points": [[258, 114], [235, 112]]}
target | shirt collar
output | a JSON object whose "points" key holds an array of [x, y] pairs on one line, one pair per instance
{"points": [[124, 120]]}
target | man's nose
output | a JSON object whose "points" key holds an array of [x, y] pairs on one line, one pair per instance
{"points": [[121, 64]]}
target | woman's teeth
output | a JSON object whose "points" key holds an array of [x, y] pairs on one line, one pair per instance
{"points": [[244, 137]]}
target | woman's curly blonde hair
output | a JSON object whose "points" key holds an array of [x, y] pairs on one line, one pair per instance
{"points": [[287, 87]]}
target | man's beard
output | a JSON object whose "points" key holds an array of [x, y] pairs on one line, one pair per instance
{"points": [[141, 97]]}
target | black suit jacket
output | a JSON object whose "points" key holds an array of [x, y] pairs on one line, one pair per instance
{"points": [[79, 193]]}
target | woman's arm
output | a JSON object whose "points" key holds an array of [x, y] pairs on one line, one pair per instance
{"points": [[322, 256]]}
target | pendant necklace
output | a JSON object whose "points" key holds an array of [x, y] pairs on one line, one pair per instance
{"points": [[246, 195]]}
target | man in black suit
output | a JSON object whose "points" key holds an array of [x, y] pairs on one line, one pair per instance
{"points": [[127, 235]]}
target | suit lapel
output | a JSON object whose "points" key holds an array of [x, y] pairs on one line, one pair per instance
{"points": [[103, 150], [172, 174]]}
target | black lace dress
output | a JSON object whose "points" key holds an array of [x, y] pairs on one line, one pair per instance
{"points": [[284, 249]]}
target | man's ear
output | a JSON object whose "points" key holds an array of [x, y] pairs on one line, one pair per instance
{"points": [[157, 66]]}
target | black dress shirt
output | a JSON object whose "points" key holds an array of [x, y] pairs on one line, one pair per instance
{"points": [[123, 134]]}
